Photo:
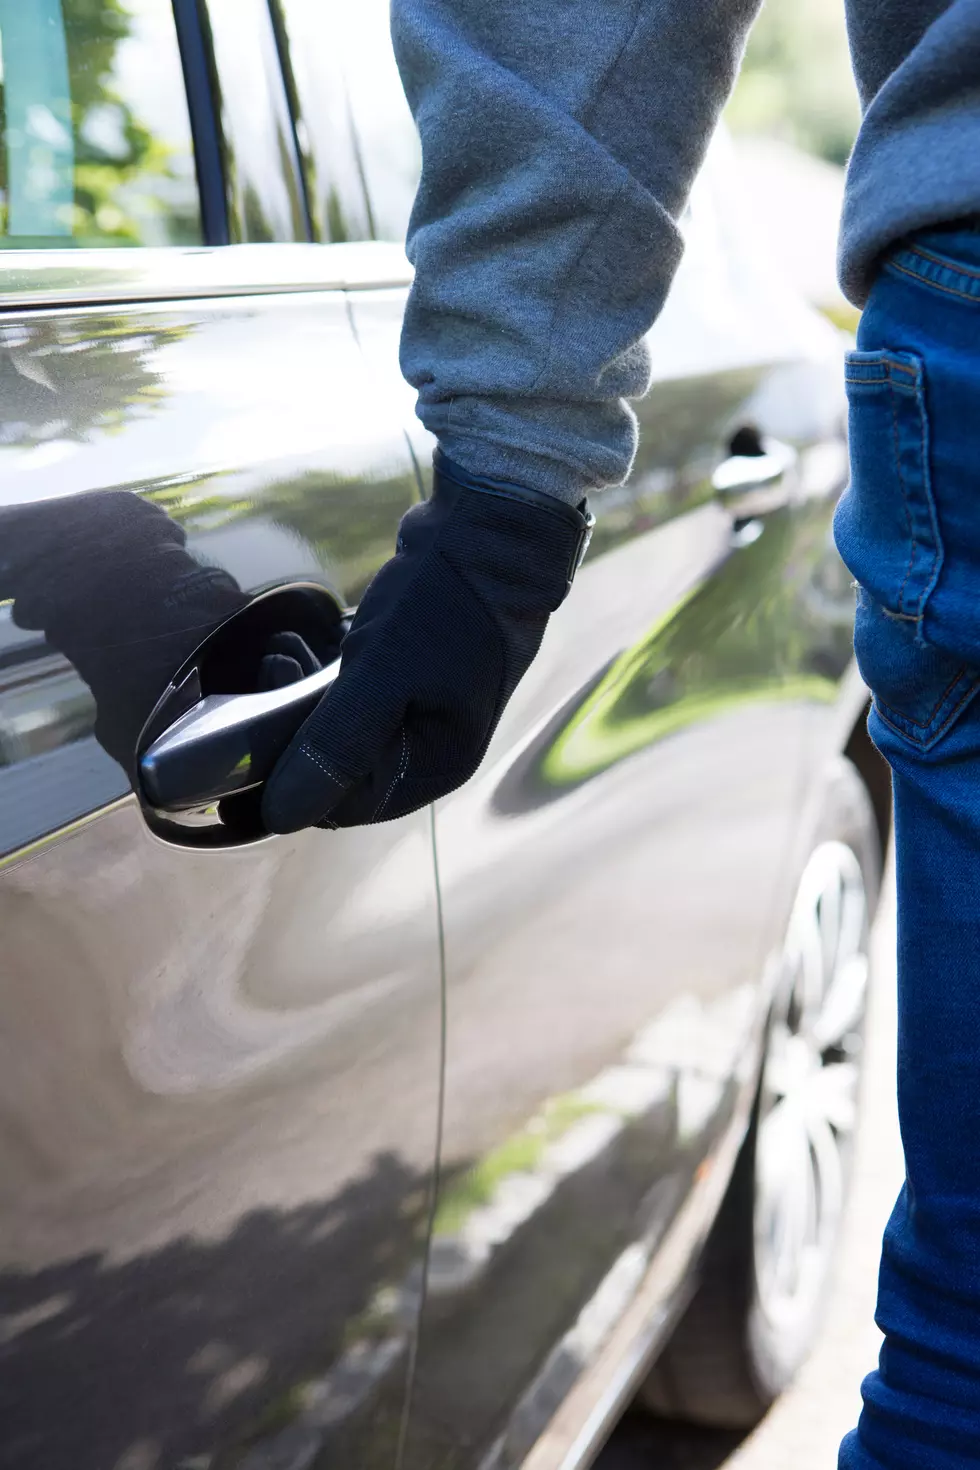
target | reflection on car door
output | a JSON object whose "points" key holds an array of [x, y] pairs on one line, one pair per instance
{"points": [[219, 1069], [610, 880]]}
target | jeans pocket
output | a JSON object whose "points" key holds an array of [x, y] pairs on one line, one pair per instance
{"points": [[886, 525], [919, 690], [888, 534]]}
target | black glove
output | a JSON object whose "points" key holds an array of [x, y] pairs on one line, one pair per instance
{"points": [[287, 657], [107, 579], [442, 637]]}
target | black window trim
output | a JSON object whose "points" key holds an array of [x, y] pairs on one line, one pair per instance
{"points": [[305, 143], [303, 160], [205, 132]]}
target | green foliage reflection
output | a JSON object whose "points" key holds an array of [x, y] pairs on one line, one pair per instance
{"points": [[757, 629], [131, 184], [65, 379]]}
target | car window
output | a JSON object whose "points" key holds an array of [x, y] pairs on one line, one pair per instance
{"points": [[95, 138], [261, 168], [362, 149]]}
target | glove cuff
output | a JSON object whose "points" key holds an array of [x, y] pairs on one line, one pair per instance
{"points": [[579, 518]]}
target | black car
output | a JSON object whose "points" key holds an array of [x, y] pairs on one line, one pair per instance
{"points": [[430, 1144]]}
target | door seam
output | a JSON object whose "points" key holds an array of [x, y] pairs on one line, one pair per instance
{"points": [[437, 1169]]}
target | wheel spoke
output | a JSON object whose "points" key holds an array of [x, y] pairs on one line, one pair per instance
{"points": [[829, 1178], [780, 1071], [829, 910], [783, 1195], [805, 953], [843, 1005], [854, 921], [833, 1097]]}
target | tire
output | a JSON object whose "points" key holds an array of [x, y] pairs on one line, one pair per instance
{"points": [[764, 1269]]}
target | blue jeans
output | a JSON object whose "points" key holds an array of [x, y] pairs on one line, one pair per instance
{"points": [[909, 530]]}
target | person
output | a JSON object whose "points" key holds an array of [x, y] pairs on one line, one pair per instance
{"points": [[559, 145]]}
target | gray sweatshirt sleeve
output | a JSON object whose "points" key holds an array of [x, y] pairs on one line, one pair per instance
{"points": [[559, 144]]}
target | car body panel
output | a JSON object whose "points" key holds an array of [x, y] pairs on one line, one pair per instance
{"points": [[612, 884], [229, 1236], [218, 1124], [221, 1070], [31, 278], [173, 402]]}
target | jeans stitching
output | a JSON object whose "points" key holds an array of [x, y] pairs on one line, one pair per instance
{"points": [[901, 617], [914, 373], [938, 553], [936, 286], [899, 723], [946, 694], [950, 265], [905, 498]]}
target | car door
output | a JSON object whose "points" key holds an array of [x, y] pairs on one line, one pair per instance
{"points": [[611, 885], [613, 880], [220, 1063]]}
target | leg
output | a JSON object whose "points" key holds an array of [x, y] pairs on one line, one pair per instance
{"points": [[909, 529]]}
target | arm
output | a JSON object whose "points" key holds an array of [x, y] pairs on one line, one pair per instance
{"points": [[560, 142]]}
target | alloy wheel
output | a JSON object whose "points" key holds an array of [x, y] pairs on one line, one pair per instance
{"points": [[810, 1085]]}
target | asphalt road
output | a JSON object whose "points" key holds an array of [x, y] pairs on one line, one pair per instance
{"points": [[805, 1427]]}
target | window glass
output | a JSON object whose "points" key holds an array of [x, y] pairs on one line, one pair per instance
{"points": [[95, 139], [362, 148], [261, 168]]}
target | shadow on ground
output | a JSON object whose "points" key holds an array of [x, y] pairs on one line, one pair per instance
{"points": [[640, 1443]]}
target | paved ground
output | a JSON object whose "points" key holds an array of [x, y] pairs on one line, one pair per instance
{"points": [[805, 1427]]}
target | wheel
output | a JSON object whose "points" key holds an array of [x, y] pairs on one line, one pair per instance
{"points": [[765, 1265]]}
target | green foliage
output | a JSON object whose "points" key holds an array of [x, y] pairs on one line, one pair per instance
{"points": [[94, 29], [796, 82], [843, 315], [116, 155]]}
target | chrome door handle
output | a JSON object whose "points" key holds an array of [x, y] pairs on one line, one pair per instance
{"points": [[226, 743], [751, 484]]}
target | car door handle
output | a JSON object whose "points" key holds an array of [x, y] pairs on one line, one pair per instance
{"points": [[751, 484], [226, 743]]}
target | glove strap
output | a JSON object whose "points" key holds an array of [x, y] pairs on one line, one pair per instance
{"points": [[579, 517]]}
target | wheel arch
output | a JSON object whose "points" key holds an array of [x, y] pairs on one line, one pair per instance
{"points": [[874, 772]]}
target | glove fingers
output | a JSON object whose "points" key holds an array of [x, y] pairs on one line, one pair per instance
{"points": [[418, 766], [340, 743], [411, 794], [294, 647], [241, 814], [277, 671], [369, 799], [301, 791], [420, 689]]}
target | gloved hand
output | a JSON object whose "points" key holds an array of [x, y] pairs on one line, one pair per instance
{"points": [[286, 658], [442, 637], [107, 578]]}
